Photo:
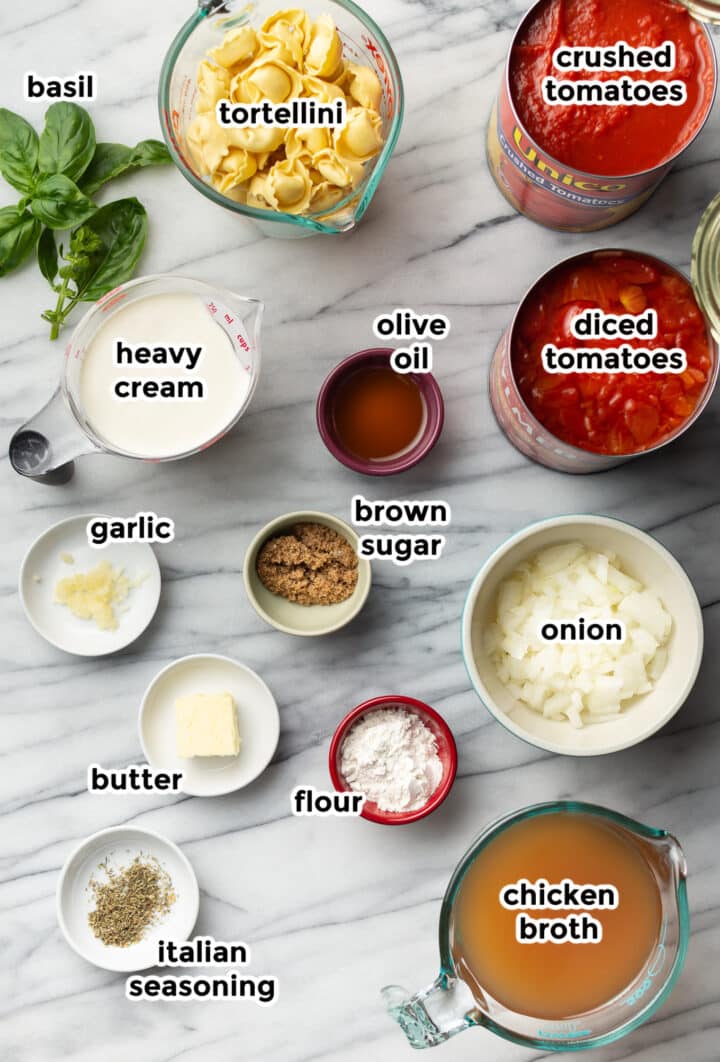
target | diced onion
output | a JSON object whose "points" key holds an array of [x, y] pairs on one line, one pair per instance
{"points": [[581, 681]]}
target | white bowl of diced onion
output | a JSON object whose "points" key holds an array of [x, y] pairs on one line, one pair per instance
{"points": [[570, 712]]}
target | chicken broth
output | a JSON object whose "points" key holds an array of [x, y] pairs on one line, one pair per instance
{"points": [[558, 914]]}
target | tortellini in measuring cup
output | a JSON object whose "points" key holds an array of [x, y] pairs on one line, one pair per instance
{"points": [[294, 171]]}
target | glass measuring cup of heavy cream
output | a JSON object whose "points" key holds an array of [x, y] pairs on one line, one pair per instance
{"points": [[158, 369], [564, 926]]}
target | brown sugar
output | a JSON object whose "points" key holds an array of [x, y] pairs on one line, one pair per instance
{"points": [[309, 564]]}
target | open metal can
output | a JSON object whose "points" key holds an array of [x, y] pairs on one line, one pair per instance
{"points": [[556, 195], [522, 427]]}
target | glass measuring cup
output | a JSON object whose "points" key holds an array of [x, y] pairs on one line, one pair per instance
{"points": [[44, 447], [448, 1006], [363, 43]]}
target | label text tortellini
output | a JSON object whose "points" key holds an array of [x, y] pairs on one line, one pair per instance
{"points": [[294, 113]]}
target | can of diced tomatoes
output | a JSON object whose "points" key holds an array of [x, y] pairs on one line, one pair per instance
{"points": [[581, 168], [590, 421]]}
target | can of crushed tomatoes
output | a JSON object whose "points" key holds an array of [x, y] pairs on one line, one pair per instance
{"points": [[566, 166], [590, 422]]}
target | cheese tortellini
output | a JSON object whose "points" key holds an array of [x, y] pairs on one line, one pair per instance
{"points": [[295, 171]]}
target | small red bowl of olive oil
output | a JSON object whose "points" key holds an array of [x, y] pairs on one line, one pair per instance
{"points": [[376, 420]]}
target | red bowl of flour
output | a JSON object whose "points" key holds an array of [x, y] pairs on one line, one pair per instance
{"points": [[446, 750]]}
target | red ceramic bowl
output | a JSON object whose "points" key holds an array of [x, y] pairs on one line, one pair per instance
{"points": [[434, 416], [446, 750]]}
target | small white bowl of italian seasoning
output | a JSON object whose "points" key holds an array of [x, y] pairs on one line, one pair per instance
{"points": [[400, 753], [120, 892]]}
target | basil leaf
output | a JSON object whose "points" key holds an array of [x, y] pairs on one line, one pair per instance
{"points": [[18, 234], [67, 143], [109, 160], [18, 151], [112, 160], [47, 255], [59, 203], [150, 153], [122, 228]]}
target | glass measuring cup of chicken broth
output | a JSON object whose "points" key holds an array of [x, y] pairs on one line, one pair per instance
{"points": [[159, 369], [564, 926]]}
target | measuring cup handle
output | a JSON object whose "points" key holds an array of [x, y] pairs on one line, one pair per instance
{"points": [[43, 449], [433, 1015]]}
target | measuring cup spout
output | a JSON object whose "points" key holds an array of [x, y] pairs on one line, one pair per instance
{"points": [[43, 449], [670, 865], [433, 1015], [250, 312], [675, 854]]}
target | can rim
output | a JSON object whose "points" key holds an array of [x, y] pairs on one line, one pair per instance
{"points": [[708, 6], [714, 339], [706, 265], [705, 11]]}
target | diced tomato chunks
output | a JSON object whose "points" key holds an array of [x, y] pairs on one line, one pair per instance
{"points": [[642, 420], [618, 412]]}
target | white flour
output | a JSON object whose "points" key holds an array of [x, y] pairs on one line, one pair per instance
{"points": [[392, 758]]}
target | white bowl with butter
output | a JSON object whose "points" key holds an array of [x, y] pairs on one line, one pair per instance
{"points": [[212, 718], [61, 553]]}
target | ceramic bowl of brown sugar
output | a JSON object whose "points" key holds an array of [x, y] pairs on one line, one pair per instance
{"points": [[303, 575]]}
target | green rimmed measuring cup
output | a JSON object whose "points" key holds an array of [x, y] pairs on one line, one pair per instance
{"points": [[363, 43], [449, 1005]]}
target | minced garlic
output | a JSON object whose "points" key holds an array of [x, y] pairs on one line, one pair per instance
{"points": [[91, 595]]}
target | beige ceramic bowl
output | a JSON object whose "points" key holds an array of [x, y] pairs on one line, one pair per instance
{"points": [[304, 620]]}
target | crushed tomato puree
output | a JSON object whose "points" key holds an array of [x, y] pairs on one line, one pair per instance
{"points": [[611, 413], [609, 140]]}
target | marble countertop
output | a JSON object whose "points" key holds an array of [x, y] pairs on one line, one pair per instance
{"points": [[334, 908]]}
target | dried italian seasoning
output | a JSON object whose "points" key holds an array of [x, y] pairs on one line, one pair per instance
{"points": [[129, 900]]}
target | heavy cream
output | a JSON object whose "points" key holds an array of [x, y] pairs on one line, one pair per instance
{"points": [[161, 377]]}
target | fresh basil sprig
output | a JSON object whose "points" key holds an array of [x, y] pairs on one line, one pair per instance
{"points": [[58, 173], [102, 254], [121, 228]]}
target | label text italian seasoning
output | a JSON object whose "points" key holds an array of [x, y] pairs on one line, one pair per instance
{"points": [[203, 951]]}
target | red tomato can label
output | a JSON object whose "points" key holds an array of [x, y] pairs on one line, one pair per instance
{"points": [[552, 194], [525, 432]]}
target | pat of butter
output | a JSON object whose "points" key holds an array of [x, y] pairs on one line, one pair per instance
{"points": [[206, 725]]}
